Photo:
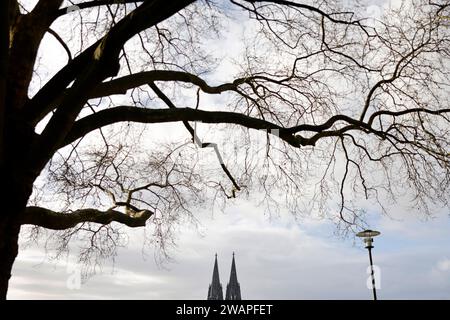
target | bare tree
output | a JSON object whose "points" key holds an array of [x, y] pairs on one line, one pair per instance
{"points": [[349, 106]]}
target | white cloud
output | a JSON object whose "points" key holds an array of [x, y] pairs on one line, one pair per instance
{"points": [[444, 265], [276, 259]]}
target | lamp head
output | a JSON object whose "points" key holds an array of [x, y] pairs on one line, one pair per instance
{"points": [[368, 233]]}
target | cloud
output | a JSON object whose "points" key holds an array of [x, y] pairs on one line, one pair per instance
{"points": [[276, 259], [444, 265]]}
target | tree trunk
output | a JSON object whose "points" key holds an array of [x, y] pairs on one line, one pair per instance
{"points": [[13, 201], [17, 181], [9, 236]]}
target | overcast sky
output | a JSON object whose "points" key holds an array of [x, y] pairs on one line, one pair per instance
{"points": [[276, 258]]}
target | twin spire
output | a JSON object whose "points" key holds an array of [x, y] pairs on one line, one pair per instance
{"points": [[215, 291]]}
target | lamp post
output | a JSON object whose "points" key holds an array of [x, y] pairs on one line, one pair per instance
{"points": [[368, 235]]}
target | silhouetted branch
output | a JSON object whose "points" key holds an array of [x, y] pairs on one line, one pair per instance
{"points": [[59, 221]]}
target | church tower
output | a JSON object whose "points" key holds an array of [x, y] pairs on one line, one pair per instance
{"points": [[233, 287], [215, 291]]}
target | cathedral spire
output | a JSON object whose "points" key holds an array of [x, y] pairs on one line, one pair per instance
{"points": [[215, 291], [233, 287]]}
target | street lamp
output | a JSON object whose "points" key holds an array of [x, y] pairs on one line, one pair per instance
{"points": [[368, 240]]}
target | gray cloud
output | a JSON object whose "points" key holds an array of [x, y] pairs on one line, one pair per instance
{"points": [[275, 260]]}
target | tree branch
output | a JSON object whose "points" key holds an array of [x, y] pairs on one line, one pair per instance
{"points": [[122, 84], [102, 64], [403, 112], [292, 4], [61, 41], [46, 7], [49, 219], [26, 33], [395, 75], [141, 115], [91, 4], [195, 138], [289, 134], [145, 16]]}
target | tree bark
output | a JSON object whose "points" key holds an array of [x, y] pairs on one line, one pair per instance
{"points": [[16, 191], [17, 181], [9, 237]]}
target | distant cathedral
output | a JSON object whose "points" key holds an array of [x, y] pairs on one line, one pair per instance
{"points": [[215, 291]]}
